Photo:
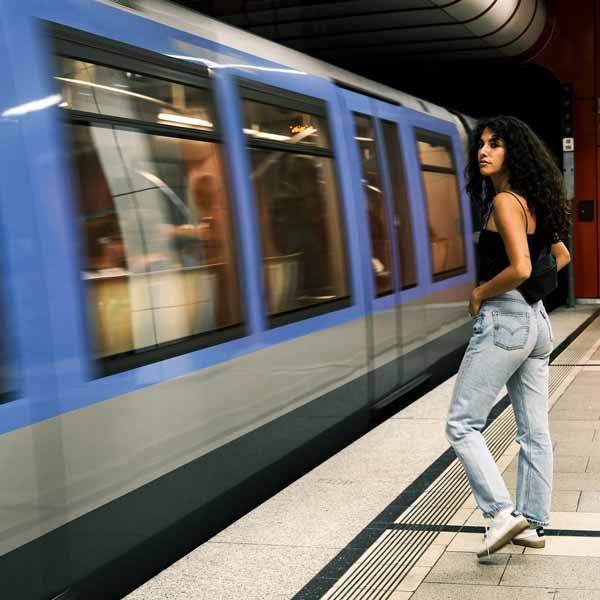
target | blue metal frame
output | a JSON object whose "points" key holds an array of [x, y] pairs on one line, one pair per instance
{"points": [[351, 103], [399, 115], [415, 120], [24, 265], [386, 183], [322, 89]]}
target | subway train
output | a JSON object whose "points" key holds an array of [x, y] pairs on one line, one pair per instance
{"points": [[220, 258]]}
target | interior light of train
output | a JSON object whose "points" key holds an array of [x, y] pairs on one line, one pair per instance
{"points": [[303, 134], [267, 136], [363, 139], [184, 120], [111, 89], [32, 106], [300, 128]]}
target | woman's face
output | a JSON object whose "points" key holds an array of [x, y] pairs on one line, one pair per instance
{"points": [[491, 153]]}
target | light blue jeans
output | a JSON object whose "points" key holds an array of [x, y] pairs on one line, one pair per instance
{"points": [[511, 344]]}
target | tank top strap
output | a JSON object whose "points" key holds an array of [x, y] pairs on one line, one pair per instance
{"points": [[488, 214], [524, 211]]}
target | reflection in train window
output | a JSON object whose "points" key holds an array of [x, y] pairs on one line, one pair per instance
{"points": [[301, 226], [442, 199], [159, 257], [402, 218], [381, 246], [432, 154], [159, 261], [281, 124], [107, 91], [300, 229]]}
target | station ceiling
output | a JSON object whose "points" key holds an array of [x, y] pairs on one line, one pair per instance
{"points": [[404, 31]]}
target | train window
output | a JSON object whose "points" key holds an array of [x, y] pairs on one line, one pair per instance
{"points": [[281, 124], [381, 246], [402, 217], [159, 261], [297, 204], [434, 154], [107, 91], [442, 200]]}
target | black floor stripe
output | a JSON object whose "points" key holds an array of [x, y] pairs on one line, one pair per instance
{"points": [[480, 529], [332, 572]]}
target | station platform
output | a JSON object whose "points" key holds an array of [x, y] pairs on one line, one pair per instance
{"points": [[391, 516]]}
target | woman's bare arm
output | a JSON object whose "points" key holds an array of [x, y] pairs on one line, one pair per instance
{"points": [[560, 252]]}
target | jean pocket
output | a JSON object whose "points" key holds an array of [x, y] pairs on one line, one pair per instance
{"points": [[548, 324], [511, 329], [478, 323]]}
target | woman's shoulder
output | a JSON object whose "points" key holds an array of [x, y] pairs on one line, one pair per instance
{"points": [[512, 203], [509, 198]]}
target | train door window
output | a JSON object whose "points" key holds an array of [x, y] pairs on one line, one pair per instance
{"points": [[442, 201], [402, 217], [381, 246], [297, 204], [159, 260]]}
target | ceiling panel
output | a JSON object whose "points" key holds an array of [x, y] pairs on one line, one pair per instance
{"points": [[365, 23], [453, 29]]}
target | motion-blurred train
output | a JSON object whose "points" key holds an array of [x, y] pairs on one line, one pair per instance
{"points": [[218, 256]]}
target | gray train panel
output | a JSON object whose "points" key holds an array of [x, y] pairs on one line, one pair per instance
{"points": [[81, 460]]}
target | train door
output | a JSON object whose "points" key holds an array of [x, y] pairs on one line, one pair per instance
{"points": [[373, 186], [406, 221], [447, 259]]}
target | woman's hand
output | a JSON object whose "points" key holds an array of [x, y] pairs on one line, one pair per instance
{"points": [[475, 302]]}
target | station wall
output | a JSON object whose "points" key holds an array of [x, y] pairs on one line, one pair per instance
{"points": [[572, 53]]}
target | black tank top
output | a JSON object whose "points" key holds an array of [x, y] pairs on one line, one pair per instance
{"points": [[492, 253]]}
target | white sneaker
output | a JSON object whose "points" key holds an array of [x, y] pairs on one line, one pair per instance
{"points": [[503, 527], [532, 537]]}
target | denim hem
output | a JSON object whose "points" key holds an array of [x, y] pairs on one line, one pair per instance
{"points": [[495, 509], [537, 522]]}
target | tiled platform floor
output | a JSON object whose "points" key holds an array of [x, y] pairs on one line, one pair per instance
{"points": [[273, 552]]}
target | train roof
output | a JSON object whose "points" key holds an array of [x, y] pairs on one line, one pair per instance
{"points": [[192, 22]]}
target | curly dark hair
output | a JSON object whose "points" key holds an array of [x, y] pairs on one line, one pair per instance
{"points": [[532, 173]]}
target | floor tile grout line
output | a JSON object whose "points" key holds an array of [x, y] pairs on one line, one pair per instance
{"points": [[519, 587], [504, 570], [477, 529]]}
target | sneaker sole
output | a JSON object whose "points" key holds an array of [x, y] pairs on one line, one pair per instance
{"points": [[530, 543], [507, 537]]}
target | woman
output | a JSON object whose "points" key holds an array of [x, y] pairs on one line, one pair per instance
{"points": [[525, 211]]}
